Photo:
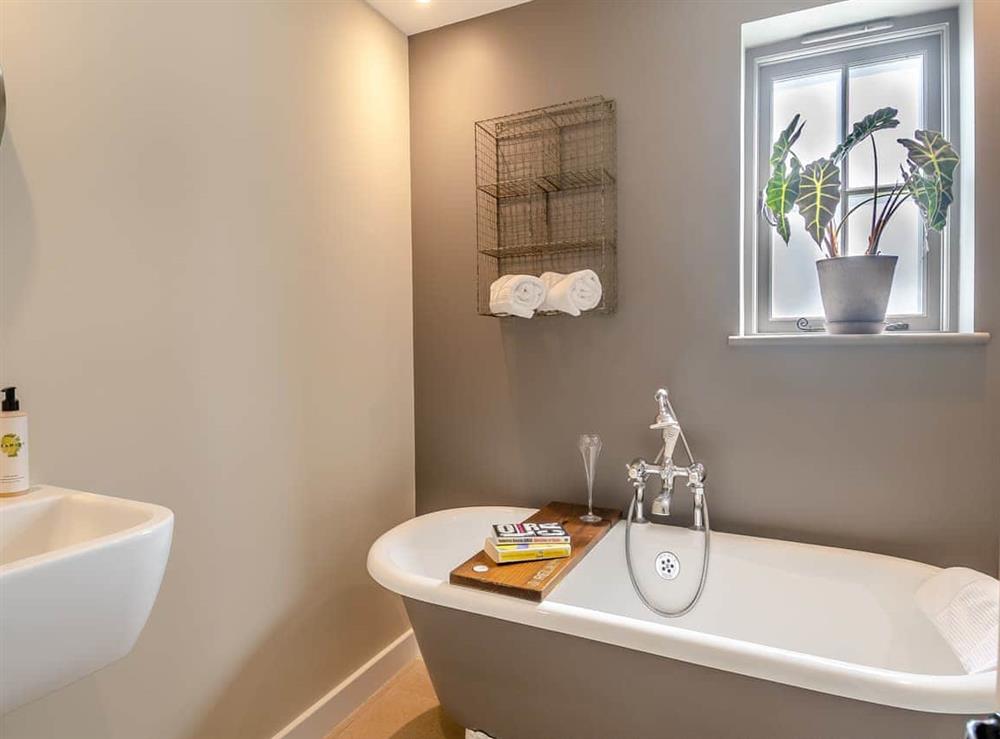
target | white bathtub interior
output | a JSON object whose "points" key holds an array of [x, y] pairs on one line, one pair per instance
{"points": [[809, 599]]}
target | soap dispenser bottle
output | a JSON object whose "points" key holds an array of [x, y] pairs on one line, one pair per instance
{"points": [[13, 445]]}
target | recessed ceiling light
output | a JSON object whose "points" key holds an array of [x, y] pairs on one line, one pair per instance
{"points": [[423, 2]]}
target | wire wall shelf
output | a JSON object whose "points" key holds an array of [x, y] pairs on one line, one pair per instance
{"points": [[546, 195]]}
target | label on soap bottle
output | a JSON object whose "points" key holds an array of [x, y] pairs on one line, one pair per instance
{"points": [[13, 453]]}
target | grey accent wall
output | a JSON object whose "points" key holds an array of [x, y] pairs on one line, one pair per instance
{"points": [[889, 449]]}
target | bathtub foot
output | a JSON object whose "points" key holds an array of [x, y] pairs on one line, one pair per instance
{"points": [[473, 734]]}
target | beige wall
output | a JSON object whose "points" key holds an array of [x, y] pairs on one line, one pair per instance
{"points": [[207, 303], [891, 449]]}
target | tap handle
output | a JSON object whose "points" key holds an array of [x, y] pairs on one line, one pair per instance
{"points": [[636, 470], [697, 472]]}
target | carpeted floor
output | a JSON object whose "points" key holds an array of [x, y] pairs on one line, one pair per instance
{"points": [[405, 708]]}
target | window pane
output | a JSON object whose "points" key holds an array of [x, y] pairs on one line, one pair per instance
{"points": [[902, 237], [794, 284], [898, 83], [817, 97]]}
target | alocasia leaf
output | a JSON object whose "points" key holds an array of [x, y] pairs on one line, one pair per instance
{"points": [[880, 119], [783, 186], [819, 196], [929, 198], [932, 163], [780, 194], [785, 140]]}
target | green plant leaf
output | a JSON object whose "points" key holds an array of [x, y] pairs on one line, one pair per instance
{"points": [[785, 140], [932, 161], [780, 194], [881, 118], [819, 196], [930, 199], [783, 185]]}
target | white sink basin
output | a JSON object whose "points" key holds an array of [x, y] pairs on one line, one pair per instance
{"points": [[78, 577]]}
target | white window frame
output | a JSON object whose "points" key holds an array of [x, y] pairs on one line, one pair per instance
{"points": [[934, 36]]}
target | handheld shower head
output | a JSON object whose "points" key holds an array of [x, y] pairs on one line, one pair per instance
{"points": [[666, 423]]}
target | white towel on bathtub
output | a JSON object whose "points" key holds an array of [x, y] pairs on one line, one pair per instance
{"points": [[578, 291], [964, 606], [516, 295]]}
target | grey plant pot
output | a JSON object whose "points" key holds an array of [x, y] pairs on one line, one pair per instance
{"points": [[855, 292]]}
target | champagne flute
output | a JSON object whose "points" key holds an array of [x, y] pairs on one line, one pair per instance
{"points": [[590, 448]]}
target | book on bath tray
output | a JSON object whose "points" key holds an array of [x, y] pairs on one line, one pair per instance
{"points": [[530, 533], [524, 542]]}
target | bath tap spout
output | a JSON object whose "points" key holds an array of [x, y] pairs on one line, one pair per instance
{"points": [[661, 503]]}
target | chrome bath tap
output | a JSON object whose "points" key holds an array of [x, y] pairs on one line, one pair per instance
{"points": [[639, 470]]}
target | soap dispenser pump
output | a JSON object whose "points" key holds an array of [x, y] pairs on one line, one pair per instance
{"points": [[13, 445]]}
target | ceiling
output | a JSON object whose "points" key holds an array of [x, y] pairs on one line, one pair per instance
{"points": [[414, 16]]}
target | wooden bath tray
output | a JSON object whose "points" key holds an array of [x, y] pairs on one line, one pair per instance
{"points": [[535, 580]]}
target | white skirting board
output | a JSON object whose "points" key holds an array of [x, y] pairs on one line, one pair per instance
{"points": [[320, 718]]}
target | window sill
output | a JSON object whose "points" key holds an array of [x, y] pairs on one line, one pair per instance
{"points": [[895, 338]]}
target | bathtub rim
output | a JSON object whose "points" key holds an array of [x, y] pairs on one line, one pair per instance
{"points": [[952, 694]]}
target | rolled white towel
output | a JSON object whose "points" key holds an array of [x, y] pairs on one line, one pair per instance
{"points": [[516, 295], [964, 605], [578, 291]]}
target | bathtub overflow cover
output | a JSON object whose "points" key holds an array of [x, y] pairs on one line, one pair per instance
{"points": [[667, 565]]}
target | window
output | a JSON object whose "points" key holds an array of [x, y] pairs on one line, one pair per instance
{"points": [[910, 65]]}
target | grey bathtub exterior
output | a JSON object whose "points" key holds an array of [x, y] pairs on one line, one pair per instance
{"points": [[519, 682]]}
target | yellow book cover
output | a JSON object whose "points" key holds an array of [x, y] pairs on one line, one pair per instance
{"points": [[525, 552]]}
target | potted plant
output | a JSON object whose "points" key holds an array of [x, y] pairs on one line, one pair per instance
{"points": [[855, 289]]}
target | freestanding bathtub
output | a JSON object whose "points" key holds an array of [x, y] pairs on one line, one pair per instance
{"points": [[789, 641]]}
